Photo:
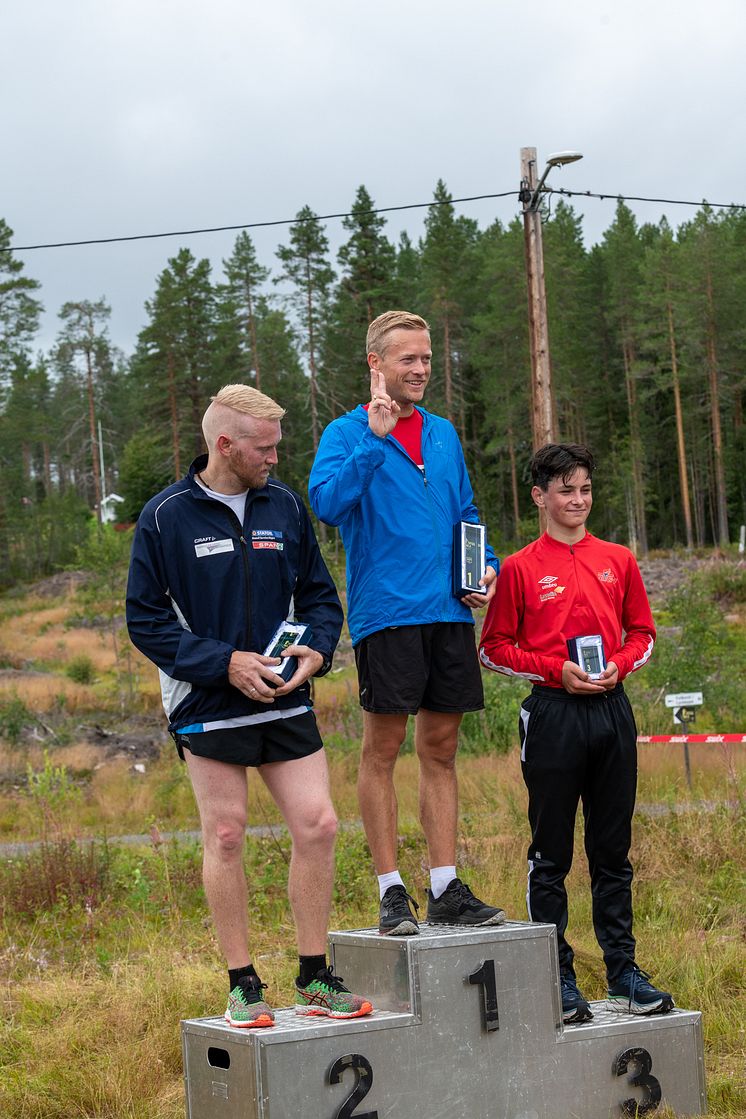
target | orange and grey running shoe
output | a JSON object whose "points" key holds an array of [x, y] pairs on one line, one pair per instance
{"points": [[246, 1007], [327, 995]]}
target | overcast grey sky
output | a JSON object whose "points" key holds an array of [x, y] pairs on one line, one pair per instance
{"points": [[126, 116]]}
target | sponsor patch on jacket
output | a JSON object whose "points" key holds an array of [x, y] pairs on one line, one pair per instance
{"points": [[607, 576], [266, 538], [555, 592], [213, 547]]}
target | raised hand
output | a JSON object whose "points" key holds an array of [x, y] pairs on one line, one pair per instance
{"points": [[383, 412]]}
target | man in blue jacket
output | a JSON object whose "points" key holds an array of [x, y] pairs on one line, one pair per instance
{"points": [[392, 477], [219, 561]]}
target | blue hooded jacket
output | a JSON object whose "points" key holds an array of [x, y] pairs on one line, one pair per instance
{"points": [[396, 520]]}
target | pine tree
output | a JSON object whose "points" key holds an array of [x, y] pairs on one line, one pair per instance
{"points": [[623, 250], [84, 334], [447, 251], [306, 267], [500, 356], [174, 364], [706, 251], [19, 310], [364, 291], [244, 279]]}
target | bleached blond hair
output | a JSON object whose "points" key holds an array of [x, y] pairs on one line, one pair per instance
{"points": [[236, 399]]}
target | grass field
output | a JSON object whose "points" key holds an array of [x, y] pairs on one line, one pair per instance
{"points": [[105, 947]]}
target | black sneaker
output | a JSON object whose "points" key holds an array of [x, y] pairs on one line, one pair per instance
{"points": [[458, 906], [396, 918], [574, 1007], [633, 993]]}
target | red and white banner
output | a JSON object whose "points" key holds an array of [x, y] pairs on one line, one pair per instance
{"points": [[714, 739]]}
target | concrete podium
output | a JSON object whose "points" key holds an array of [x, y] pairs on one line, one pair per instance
{"points": [[467, 1023]]}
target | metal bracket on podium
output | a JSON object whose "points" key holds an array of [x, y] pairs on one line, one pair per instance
{"points": [[468, 1022]]}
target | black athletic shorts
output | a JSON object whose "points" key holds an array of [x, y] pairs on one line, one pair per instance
{"points": [[404, 668], [277, 740]]}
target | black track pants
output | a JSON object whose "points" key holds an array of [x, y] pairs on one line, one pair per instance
{"points": [[581, 748]]}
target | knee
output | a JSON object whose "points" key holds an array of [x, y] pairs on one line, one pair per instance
{"points": [[317, 830], [380, 754], [437, 753], [226, 839]]}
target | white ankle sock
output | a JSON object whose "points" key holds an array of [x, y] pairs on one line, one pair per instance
{"points": [[392, 878], [440, 877]]}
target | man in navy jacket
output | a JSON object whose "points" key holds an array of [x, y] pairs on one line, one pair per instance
{"points": [[219, 561], [392, 477]]}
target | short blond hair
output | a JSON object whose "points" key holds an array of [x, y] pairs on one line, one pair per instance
{"points": [[244, 398], [380, 328]]}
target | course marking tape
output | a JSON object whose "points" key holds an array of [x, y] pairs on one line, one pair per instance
{"points": [[714, 739]]}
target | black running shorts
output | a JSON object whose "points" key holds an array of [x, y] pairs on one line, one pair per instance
{"points": [[404, 668], [277, 740]]}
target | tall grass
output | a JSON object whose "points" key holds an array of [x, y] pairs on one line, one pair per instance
{"points": [[104, 948], [95, 979]]}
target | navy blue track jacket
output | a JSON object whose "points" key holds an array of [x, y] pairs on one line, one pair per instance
{"points": [[202, 585]]}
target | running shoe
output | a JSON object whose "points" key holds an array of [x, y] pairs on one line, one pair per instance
{"points": [[458, 906], [328, 996], [633, 993], [396, 917], [246, 1007], [575, 1008]]}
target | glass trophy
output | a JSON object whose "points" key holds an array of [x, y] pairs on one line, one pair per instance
{"points": [[588, 652], [469, 558], [289, 633]]}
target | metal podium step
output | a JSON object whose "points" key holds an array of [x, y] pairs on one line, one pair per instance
{"points": [[467, 1025]]}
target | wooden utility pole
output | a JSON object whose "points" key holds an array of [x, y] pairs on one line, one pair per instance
{"points": [[544, 419]]}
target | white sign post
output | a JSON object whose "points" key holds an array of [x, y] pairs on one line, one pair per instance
{"points": [[684, 706]]}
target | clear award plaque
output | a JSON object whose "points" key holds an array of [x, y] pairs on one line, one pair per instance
{"points": [[469, 558], [588, 652], [289, 633]]}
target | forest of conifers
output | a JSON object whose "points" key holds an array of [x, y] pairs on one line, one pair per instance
{"points": [[647, 340]]}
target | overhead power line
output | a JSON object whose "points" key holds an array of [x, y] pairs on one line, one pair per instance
{"points": [[363, 213]]}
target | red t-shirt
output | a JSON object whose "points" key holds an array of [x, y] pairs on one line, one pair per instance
{"points": [[408, 432]]}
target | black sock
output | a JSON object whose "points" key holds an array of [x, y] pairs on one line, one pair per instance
{"points": [[309, 966], [236, 973]]}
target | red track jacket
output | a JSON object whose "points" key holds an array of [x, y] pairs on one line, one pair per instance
{"points": [[549, 592]]}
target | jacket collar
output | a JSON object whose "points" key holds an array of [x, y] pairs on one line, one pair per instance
{"points": [[199, 465]]}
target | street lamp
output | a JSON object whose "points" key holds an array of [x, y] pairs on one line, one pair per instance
{"points": [[544, 420]]}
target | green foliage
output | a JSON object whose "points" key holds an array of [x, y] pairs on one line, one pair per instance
{"points": [[81, 669], [646, 340], [145, 469], [19, 310], [494, 730], [41, 536], [104, 554], [53, 793], [14, 718], [698, 651]]}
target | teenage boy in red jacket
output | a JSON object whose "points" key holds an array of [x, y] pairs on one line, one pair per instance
{"points": [[577, 730]]}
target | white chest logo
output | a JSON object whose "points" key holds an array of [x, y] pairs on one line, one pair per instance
{"points": [[213, 548]]}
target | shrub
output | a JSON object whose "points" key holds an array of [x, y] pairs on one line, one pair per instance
{"points": [[81, 669], [14, 717]]}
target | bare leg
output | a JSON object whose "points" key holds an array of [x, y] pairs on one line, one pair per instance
{"points": [[436, 741], [221, 792], [382, 739], [300, 789]]}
